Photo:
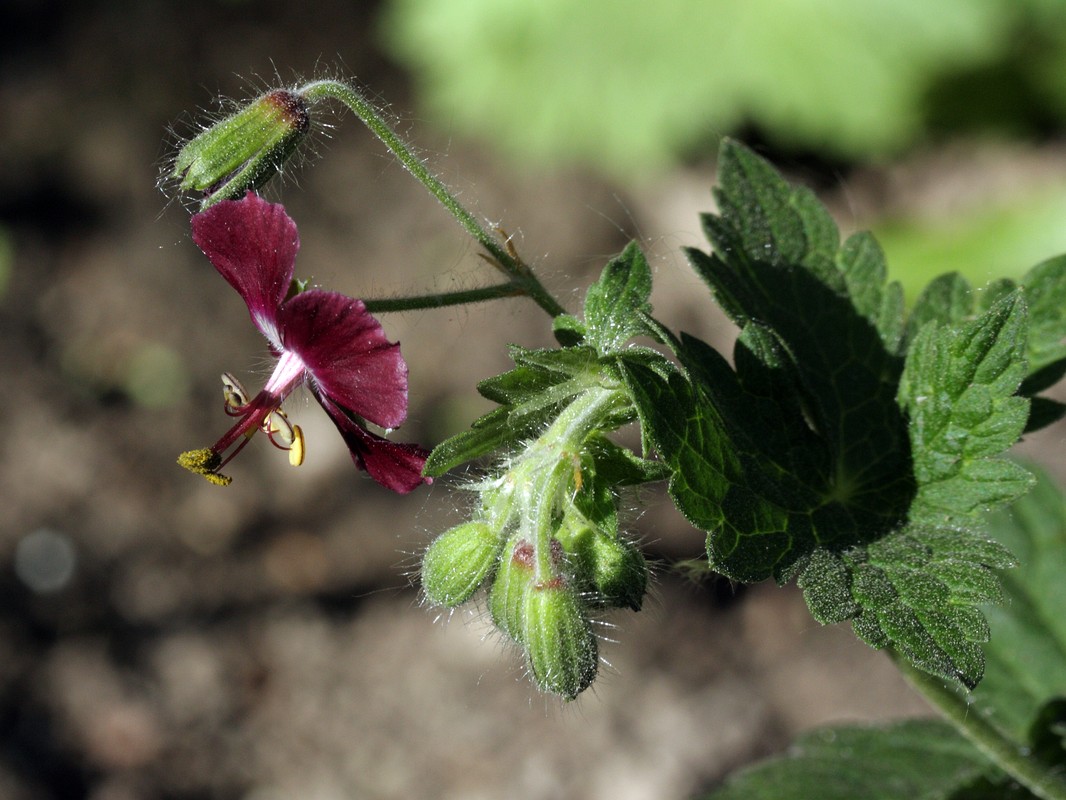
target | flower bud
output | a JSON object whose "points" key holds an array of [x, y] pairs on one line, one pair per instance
{"points": [[558, 639], [615, 570], [514, 579], [244, 150], [458, 561]]}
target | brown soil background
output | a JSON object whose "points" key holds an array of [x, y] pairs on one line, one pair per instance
{"points": [[266, 641]]}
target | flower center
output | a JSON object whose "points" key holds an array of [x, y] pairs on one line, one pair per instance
{"points": [[261, 413]]}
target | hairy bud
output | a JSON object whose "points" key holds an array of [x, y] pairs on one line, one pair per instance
{"points": [[558, 639], [514, 579], [458, 561], [245, 150], [615, 570]]}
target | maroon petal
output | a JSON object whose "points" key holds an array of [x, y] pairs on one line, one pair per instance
{"points": [[395, 465], [347, 354], [253, 245]]}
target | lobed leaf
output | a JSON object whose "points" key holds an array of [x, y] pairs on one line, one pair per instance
{"points": [[958, 389], [844, 447]]}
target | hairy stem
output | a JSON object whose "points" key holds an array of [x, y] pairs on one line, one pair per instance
{"points": [[1007, 754], [503, 256], [459, 298]]}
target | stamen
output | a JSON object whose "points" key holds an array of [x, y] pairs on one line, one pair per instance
{"points": [[279, 429], [296, 450], [233, 393]]}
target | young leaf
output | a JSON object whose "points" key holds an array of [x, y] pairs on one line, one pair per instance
{"points": [[616, 304], [529, 396], [924, 759], [544, 380]]}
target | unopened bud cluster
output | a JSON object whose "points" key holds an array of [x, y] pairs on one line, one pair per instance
{"points": [[548, 567]]}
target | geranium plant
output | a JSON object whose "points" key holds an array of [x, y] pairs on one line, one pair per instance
{"points": [[848, 443]]}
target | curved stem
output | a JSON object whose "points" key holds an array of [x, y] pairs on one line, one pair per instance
{"points": [[502, 255], [1007, 754], [443, 299]]}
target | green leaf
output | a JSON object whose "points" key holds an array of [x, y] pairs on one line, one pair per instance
{"points": [[616, 303], [708, 484], [1026, 656], [569, 331], [493, 432], [810, 445], [958, 390], [947, 299], [863, 264], [918, 590], [1047, 734], [1045, 294], [822, 454], [529, 396], [921, 759]]}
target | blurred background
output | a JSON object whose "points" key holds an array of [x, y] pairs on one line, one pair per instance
{"points": [[164, 638]]}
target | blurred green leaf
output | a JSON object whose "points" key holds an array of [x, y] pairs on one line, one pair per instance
{"points": [[1000, 238], [1026, 656], [627, 86]]}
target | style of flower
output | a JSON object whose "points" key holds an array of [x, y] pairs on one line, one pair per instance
{"points": [[325, 340]]}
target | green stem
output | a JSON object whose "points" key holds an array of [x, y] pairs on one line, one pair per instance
{"points": [[551, 462], [459, 298], [503, 256], [1007, 754]]}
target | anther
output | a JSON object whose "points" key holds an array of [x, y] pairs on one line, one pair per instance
{"points": [[296, 450], [279, 429], [233, 393]]}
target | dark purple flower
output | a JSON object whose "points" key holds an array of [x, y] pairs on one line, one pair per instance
{"points": [[324, 339]]}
